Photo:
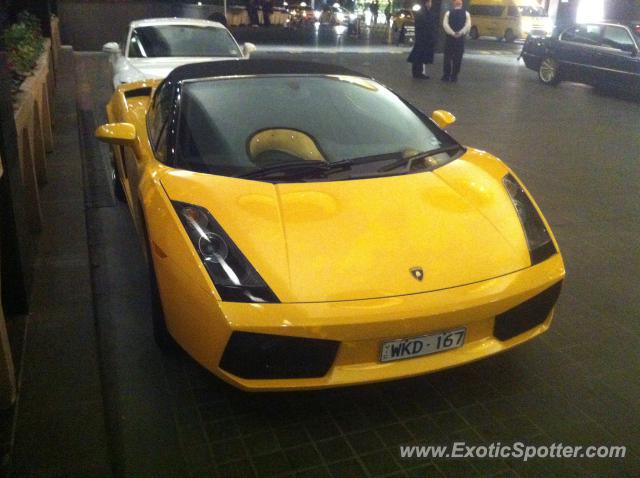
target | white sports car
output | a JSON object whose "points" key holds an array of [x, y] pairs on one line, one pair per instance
{"points": [[155, 46]]}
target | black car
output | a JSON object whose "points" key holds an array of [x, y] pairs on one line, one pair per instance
{"points": [[600, 54]]}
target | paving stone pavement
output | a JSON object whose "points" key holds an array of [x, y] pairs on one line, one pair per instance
{"points": [[58, 421], [576, 149]]}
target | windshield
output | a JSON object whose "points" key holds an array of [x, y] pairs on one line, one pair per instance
{"points": [[181, 40], [239, 126], [532, 12]]}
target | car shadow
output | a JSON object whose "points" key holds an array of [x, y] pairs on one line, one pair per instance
{"points": [[618, 93], [430, 407]]}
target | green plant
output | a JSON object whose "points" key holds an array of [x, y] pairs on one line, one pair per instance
{"points": [[24, 44], [31, 21]]}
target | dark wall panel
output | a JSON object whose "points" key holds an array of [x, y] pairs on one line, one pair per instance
{"points": [[89, 25], [17, 243]]}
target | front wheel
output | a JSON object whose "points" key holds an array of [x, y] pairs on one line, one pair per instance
{"points": [[509, 36], [118, 190], [473, 33], [162, 337], [549, 71]]}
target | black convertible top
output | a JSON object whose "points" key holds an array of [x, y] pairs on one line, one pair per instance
{"points": [[211, 69]]}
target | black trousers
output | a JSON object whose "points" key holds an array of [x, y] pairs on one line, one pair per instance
{"points": [[453, 51], [417, 69]]}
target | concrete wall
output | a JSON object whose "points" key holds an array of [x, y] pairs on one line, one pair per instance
{"points": [[564, 11], [89, 25]]}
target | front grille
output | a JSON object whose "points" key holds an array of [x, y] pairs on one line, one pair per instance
{"points": [[260, 356], [527, 315]]}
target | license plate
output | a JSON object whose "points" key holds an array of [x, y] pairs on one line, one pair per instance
{"points": [[424, 345]]}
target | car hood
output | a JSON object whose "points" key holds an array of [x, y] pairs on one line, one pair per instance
{"points": [[360, 239], [137, 69]]}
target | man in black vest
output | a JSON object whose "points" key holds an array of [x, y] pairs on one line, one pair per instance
{"points": [[425, 40], [456, 24]]}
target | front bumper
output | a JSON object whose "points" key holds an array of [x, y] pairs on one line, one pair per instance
{"points": [[361, 326]]}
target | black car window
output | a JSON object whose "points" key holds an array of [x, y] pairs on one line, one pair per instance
{"points": [[327, 118], [181, 41], [159, 113], [161, 145], [512, 11], [530, 11], [474, 10], [486, 10], [583, 34], [618, 38]]}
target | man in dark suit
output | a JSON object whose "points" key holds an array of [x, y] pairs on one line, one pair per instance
{"points": [[425, 40]]}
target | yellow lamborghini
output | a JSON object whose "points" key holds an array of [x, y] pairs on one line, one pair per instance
{"points": [[306, 227]]}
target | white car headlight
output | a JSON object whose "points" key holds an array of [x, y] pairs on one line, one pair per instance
{"points": [[233, 276]]}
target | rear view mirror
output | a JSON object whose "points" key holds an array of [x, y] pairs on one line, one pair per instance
{"points": [[248, 49], [123, 134], [443, 118], [112, 48]]}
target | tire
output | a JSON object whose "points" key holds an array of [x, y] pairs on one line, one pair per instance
{"points": [[549, 71], [474, 34], [161, 335], [118, 190], [509, 36]]}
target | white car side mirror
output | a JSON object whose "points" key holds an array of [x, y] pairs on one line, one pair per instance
{"points": [[248, 49], [112, 48]]}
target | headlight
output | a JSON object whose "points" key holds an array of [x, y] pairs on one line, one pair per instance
{"points": [[233, 276], [539, 241]]}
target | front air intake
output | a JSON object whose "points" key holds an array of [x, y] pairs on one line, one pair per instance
{"points": [[527, 315], [262, 356]]}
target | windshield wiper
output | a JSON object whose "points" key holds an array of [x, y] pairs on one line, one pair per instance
{"points": [[409, 160], [302, 166]]}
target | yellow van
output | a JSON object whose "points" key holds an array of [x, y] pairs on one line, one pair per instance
{"points": [[508, 19]]}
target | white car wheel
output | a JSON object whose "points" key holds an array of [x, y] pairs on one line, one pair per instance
{"points": [[548, 72]]}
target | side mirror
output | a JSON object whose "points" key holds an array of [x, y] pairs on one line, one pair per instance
{"points": [[112, 48], [443, 118], [123, 134], [248, 49]]}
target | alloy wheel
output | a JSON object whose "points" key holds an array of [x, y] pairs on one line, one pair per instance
{"points": [[548, 71]]}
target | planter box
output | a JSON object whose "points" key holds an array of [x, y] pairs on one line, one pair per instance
{"points": [[32, 116]]}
